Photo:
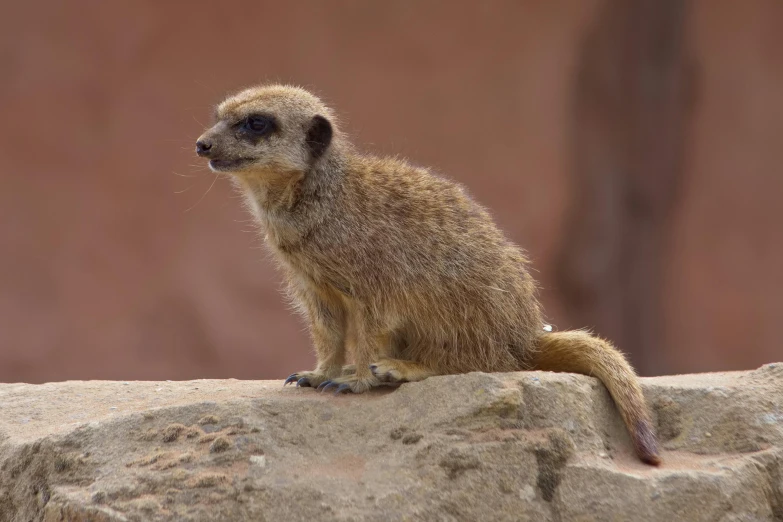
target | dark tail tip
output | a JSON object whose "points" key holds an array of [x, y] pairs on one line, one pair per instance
{"points": [[646, 443]]}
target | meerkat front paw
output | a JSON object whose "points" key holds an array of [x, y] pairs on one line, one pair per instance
{"points": [[307, 379], [350, 383]]}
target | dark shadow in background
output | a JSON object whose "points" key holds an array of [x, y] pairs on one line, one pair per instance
{"points": [[632, 101]]}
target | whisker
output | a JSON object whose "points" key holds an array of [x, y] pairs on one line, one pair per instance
{"points": [[185, 175], [205, 194], [184, 190]]}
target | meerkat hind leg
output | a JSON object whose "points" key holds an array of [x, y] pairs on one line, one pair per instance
{"points": [[399, 371]]}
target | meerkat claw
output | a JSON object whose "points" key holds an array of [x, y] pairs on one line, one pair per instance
{"points": [[343, 388], [291, 378], [303, 382], [326, 384]]}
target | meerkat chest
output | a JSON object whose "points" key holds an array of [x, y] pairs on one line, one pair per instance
{"points": [[296, 243], [309, 267], [284, 235], [326, 283]]}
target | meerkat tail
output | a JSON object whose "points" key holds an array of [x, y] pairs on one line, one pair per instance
{"points": [[579, 352]]}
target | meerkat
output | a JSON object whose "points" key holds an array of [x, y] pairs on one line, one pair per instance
{"points": [[393, 264]]}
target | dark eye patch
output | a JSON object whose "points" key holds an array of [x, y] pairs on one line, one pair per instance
{"points": [[255, 126]]}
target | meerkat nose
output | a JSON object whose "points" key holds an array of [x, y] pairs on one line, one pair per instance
{"points": [[203, 148]]}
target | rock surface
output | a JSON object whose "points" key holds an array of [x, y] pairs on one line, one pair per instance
{"points": [[519, 446]]}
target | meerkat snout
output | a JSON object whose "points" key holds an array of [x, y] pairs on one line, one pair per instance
{"points": [[228, 147], [203, 148]]}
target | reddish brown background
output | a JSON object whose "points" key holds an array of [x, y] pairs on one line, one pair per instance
{"points": [[118, 262]]}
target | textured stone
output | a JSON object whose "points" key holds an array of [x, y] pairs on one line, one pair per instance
{"points": [[517, 446]]}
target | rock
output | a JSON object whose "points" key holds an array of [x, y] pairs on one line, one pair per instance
{"points": [[219, 445], [258, 460], [172, 432], [517, 446]]}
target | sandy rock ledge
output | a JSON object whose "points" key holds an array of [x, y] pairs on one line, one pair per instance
{"points": [[520, 446]]}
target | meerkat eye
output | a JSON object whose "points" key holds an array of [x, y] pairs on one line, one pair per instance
{"points": [[258, 124]]}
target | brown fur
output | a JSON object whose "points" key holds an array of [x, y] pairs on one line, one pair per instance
{"points": [[579, 352], [395, 264]]}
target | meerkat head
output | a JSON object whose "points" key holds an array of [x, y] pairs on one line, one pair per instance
{"points": [[277, 129]]}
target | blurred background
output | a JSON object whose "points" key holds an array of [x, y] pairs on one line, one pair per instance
{"points": [[634, 148]]}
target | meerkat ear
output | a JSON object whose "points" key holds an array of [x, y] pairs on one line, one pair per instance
{"points": [[319, 136]]}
